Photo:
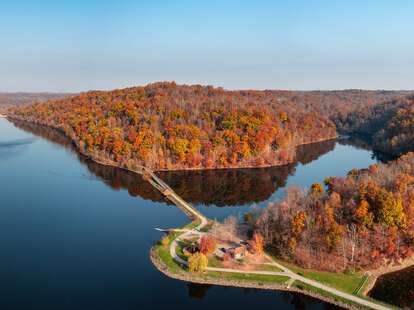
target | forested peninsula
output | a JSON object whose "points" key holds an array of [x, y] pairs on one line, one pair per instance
{"points": [[165, 126]]}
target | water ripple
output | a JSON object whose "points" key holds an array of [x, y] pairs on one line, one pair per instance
{"points": [[17, 142]]}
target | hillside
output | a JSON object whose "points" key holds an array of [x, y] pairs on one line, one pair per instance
{"points": [[390, 125], [165, 126], [360, 221], [338, 105]]}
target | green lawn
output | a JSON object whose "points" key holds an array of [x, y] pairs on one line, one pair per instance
{"points": [[164, 254], [248, 277], [164, 251], [268, 268], [345, 282], [348, 283], [192, 225], [214, 261], [309, 288]]}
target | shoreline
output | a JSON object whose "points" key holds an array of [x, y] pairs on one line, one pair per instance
{"points": [[113, 164], [109, 162], [198, 279], [381, 271]]}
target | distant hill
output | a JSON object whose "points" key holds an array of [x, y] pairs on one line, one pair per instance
{"points": [[21, 98]]}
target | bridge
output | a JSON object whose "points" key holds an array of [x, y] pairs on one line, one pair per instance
{"points": [[170, 194]]}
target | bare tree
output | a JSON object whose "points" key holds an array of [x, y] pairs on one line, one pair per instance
{"points": [[352, 233]]}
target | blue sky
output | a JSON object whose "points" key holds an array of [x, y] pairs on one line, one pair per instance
{"points": [[81, 45]]}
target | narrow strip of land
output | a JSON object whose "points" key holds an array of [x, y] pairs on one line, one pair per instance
{"points": [[169, 193], [285, 272]]}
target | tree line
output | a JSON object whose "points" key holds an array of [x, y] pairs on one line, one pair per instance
{"points": [[165, 126], [359, 221]]}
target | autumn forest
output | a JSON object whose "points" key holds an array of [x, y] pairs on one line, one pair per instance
{"points": [[164, 126], [353, 222]]}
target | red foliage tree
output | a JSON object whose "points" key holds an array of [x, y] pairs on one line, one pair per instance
{"points": [[208, 244]]}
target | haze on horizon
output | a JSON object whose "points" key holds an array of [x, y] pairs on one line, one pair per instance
{"points": [[71, 46]]}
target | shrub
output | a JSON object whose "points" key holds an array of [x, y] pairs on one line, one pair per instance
{"points": [[165, 241]]}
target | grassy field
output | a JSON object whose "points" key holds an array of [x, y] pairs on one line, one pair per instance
{"points": [[248, 277], [164, 250], [309, 288], [268, 268], [214, 261], [348, 283], [192, 225], [164, 255]]}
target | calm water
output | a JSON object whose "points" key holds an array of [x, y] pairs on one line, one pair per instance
{"points": [[396, 288], [76, 235]]}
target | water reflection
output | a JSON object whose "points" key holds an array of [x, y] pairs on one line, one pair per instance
{"points": [[110, 238], [197, 291], [298, 301], [17, 142], [225, 187], [310, 152], [13, 148], [231, 187], [396, 288], [363, 142]]}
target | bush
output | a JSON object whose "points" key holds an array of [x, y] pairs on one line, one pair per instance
{"points": [[165, 241]]}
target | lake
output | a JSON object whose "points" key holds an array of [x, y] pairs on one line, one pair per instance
{"points": [[76, 235], [396, 288]]}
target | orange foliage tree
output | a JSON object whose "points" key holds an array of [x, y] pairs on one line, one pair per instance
{"points": [[208, 244]]}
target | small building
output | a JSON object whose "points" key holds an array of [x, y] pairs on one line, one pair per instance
{"points": [[237, 252]]}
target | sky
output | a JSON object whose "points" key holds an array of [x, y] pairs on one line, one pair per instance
{"points": [[71, 46]]}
